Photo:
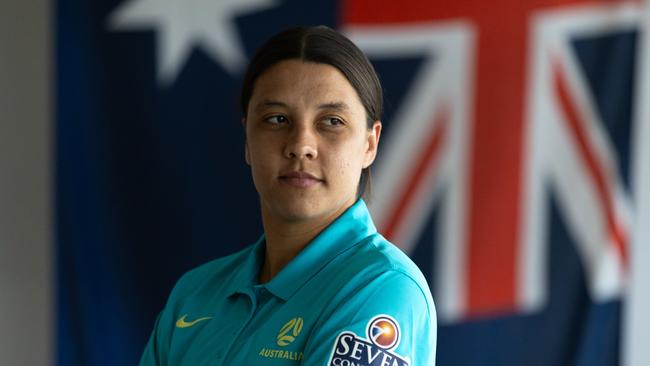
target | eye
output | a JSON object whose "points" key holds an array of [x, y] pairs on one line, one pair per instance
{"points": [[333, 121], [278, 119]]}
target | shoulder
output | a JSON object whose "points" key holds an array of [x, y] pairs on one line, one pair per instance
{"points": [[380, 263], [382, 288], [375, 277]]}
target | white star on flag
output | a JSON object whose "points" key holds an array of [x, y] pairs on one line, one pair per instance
{"points": [[182, 25]]}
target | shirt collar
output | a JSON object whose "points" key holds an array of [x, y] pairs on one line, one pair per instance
{"points": [[347, 230], [247, 274]]}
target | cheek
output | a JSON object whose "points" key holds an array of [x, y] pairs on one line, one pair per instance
{"points": [[348, 164], [259, 148], [259, 158], [259, 161]]}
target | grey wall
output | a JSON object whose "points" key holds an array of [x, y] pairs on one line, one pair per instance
{"points": [[25, 208]]}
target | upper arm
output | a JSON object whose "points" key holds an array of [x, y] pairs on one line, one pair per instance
{"points": [[151, 355], [352, 329], [156, 352]]}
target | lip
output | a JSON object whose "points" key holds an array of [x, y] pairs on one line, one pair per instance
{"points": [[300, 179]]}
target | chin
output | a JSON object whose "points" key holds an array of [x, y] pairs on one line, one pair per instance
{"points": [[292, 206], [299, 209]]}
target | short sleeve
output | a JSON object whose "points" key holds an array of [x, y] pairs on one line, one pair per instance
{"points": [[390, 320], [154, 352]]}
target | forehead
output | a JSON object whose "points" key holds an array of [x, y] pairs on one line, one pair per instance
{"points": [[298, 82]]}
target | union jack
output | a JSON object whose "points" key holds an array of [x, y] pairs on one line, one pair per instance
{"points": [[490, 156]]}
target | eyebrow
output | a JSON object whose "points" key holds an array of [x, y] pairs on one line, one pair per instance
{"points": [[269, 103], [337, 105]]}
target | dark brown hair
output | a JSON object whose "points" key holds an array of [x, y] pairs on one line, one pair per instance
{"points": [[324, 45]]}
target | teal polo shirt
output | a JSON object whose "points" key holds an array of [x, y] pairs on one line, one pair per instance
{"points": [[349, 298]]}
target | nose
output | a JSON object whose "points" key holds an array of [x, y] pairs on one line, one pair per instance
{"points": [[301, 144]]}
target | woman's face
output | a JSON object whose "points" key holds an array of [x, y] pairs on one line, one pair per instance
{"points": [[307, 141]]}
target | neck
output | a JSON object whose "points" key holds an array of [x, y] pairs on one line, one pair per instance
{"points": [[285, 239]]}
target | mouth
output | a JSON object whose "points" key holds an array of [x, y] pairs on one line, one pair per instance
{"points": [[300, 179]]}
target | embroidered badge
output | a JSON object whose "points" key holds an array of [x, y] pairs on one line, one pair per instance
{"points": [[383, 336]]}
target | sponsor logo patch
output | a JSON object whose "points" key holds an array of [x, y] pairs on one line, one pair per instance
{"points": [[383, 335]]}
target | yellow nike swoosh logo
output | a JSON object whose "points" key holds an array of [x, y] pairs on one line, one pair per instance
{"points": [[181, 323]]}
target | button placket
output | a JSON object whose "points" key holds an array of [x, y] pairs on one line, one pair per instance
{"points": [[251, 295]]}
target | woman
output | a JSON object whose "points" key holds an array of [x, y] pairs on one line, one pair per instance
{"points": [[321, 287]]}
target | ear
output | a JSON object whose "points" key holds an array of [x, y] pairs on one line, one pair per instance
{"points": [[247, 156], [372, 144]]}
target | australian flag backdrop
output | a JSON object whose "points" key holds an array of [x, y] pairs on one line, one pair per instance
{"points": [[505, 169]]}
